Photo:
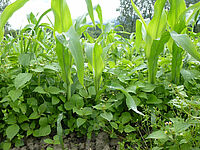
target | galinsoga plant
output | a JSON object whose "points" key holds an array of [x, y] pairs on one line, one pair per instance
{"points": [[155, 35]]}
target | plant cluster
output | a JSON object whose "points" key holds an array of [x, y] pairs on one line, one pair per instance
{"points": [[57, 79]]}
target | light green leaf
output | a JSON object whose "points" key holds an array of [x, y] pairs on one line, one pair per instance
{"points": [[12, 130], [43, 121], [39, 89], [6, 145], [90, 10], [114, 125], [53, 90], [157, 135], [129, 128], [98, 65], [22, 79], [107, 115], [129, 100], [8, 12], [60, 130], [55, 100], [80, 122], [34, 115], [15, 94], [24, 59], [183, 41], [139, 14], [42, 131], [99, 12], [76, 51]]}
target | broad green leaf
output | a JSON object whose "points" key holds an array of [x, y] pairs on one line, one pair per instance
{"points": [[42, 131], [90, 10], [6, 145], [114, 125], [128, 128], [8, 12], [129, 100], [80, 122], [42, 108], [32, 101], [183, 41], [125, 117], [24, 59], [12, 130], [53, 90], [107, 115], [15, 94], [43, 121], [157, 135], [55, 100], [180, 125], [98, 65], [22, 79], [77, 100], [152, 99], [34, 115], [39, 89]]}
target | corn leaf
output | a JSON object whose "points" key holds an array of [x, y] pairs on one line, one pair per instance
{"points": [[177, 55], [62, 23], [99, 12], [138, 34], [183, 41], [98, 65], [138, 13], [8, 12], [156, 48], [77, 52], [177, 7], [90, 10]]}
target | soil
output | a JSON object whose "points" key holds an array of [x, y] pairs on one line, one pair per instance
{"points": [[99, 142]]}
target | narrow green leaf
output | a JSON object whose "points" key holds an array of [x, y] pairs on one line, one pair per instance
{"points": [[138, 34], [8, 12], [99, 12], [90, 10], [60, 130], [138, 13], [77, 52], [98, 65]]}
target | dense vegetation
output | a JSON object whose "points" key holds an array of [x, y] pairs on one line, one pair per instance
{"points": [[57, 79]]}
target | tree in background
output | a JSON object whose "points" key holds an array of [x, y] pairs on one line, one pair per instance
{"points": [[128, 17]]}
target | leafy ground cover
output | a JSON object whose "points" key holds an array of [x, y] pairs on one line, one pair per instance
{"points": [[58, 82]]}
